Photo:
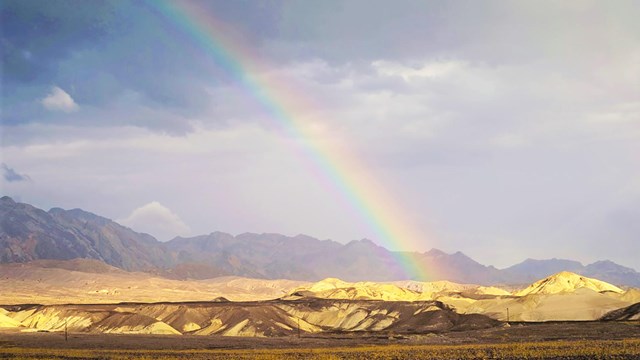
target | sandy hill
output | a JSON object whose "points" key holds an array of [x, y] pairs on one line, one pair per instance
{"points": [[582, 304], [631, 295], [564, 296], [332, 288], [567, 282], [447, 287], [434, 286], [267, 318], [491, 290]]}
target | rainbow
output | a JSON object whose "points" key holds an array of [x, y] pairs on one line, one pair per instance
{"points": [[332, 163]]}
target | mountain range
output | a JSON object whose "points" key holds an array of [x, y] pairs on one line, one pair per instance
{"points": [[28, 233]]}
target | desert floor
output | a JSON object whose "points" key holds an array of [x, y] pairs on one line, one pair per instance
{"points": [[556, 340]]}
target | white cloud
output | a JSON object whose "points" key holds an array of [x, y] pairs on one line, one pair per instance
{"points": [[59, 100], [432, 69], [157, 220]]}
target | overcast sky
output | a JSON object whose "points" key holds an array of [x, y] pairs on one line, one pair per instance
{"points": [[504, 129]]}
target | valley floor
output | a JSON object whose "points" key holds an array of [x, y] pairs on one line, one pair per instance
{"points": [[557, 340]]}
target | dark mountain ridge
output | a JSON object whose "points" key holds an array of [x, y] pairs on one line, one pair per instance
{"points": [[28, 233]]}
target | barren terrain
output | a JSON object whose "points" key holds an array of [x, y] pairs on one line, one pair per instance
{"points": [[110, 313], [556, 340], [90, 281]]}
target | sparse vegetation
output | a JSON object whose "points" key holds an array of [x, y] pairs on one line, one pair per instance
{"points": [[599, 349]]}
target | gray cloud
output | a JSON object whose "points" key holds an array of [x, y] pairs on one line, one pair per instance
{"points": [[11, 175]]}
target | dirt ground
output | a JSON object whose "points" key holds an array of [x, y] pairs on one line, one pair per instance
{"points": [[516, 332]]}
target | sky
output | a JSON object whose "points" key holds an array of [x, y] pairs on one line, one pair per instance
{"points": [[506, 130]]}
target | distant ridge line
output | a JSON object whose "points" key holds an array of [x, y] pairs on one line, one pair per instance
{"points": [[28, 233]]}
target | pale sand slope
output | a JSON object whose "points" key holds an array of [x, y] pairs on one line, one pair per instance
{"points": [[433, 286], [6, 321], [443, 286], [581, 304], [332, 288], [567, 281], [32, 283], [631, 295], [458, 296], [268, 318], [562, 296]]}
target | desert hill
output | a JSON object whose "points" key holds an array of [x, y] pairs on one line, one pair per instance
{"points": [[564, 296], [268, 318], [28, 233], [631, 295], [332, 288], [559, 297], [432, 286], [580, 305], [567, 282]]}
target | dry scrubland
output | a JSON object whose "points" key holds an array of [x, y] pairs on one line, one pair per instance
{"points": [[599, 349], [561, 340]]}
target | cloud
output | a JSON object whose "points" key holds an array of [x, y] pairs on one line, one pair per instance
{"points": [[433, 69], [59, 100], [11, 175], [157, 220]]}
